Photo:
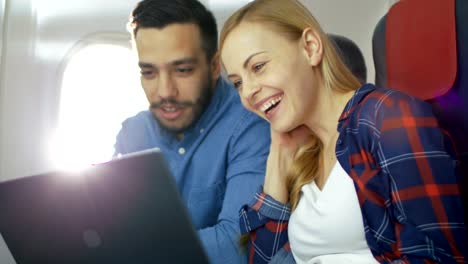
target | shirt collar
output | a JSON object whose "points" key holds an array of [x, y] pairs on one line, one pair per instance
{"points": [[357, 97]]}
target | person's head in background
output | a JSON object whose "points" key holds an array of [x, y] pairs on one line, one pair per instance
{"points": [[176, 42], [287, 71], [351, 56]]}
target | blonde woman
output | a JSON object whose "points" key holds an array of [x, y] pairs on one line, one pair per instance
{"points": [[356, 174]]}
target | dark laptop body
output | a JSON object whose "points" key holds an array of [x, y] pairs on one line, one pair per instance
{"points": [[125, 211]]}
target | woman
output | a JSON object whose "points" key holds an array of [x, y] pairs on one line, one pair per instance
{"points": [[367, 173]]}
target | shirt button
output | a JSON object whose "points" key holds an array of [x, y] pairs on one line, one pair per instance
{"points": [[181, 151], [201, 130], [339, 142]]}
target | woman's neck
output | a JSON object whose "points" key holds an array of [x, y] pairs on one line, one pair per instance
{"points": [[324, 120]]}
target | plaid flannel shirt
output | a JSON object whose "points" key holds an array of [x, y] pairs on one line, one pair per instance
{"points": [[405, 173]]}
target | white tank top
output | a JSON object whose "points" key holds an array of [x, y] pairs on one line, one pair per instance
{"points": [[327, 225]]}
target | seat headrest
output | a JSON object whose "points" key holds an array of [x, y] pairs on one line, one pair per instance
{"points": [[420, 47]]}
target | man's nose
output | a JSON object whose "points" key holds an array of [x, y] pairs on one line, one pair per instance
{"points": [[166, 86]]}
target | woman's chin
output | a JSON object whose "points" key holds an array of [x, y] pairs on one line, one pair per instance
{"points": [[280, 127]]}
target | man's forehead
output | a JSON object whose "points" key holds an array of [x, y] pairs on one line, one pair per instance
{"points": [[171, 43], [178, 35]]}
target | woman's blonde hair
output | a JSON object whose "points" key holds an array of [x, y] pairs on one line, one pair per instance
{"points": [[289, 18]]}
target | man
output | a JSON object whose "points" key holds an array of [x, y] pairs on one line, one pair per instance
{"points": [[215, 148], [351, 55]]}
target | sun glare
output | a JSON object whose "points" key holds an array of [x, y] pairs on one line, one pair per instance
{"points": [[100, 88]]}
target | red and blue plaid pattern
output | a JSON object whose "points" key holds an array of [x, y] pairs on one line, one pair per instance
{"points": [[405, 173]]}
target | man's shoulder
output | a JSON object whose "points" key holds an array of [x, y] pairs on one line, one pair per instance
{"points": [[233, 102], [137, 133], [140, 117], [238, 115], [139, 122]]}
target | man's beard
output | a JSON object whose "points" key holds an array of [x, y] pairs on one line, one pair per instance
{"points": [[198, 107]]}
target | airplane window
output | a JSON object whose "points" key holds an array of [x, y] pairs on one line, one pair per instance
{"points": [[100, 88]]}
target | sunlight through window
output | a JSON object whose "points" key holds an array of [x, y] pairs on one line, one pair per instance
{"points": [[100, 88]]}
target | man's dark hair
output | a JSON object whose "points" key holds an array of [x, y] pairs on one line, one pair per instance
{"points": [[161, 13], [351, 56]]}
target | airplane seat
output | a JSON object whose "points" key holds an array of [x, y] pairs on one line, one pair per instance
{"points": [[421, 47]]}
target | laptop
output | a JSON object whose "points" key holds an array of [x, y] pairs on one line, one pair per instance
{"points": [[127, 211]]}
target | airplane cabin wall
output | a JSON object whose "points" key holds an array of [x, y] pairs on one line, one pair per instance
{"points": [[2, 23], [17, 65]]}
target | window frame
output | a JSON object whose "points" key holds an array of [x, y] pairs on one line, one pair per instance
{"points": [[103, 38]]}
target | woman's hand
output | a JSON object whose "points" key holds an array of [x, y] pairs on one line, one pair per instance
{"points": [[282, 152]]}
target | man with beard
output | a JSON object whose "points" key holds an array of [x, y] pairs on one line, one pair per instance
{"points": [[215, 148]]}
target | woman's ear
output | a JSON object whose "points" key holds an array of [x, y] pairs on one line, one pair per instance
{"points": [[312, 45]]}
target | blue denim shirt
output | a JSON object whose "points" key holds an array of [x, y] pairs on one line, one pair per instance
{"points": [[218, 166]]}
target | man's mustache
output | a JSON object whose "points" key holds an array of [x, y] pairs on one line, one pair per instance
{"points": [[171, 101]]}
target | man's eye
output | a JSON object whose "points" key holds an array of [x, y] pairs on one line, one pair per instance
{"points": [[146, 73], [184, 70]]}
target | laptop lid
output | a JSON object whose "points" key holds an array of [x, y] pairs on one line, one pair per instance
{"points": [[124, 211]]}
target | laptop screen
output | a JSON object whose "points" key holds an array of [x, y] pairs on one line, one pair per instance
{"points": [[124, 211]]}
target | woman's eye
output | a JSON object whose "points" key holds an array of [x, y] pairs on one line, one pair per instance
{"points": [[237, 84], [257, 67]]}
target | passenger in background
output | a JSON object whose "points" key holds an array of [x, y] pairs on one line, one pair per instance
{"points": [[215, 148], [355, 174], [351, 55]]}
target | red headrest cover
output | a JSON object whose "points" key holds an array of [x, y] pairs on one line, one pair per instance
{"points": [[421, 47]]}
